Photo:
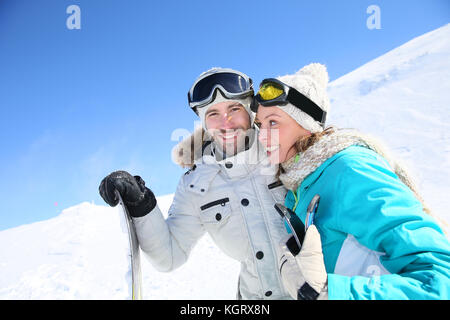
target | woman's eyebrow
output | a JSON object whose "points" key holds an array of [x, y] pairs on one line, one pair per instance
{"points": [[272, 114]]}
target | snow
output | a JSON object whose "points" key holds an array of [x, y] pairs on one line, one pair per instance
{"points": [[402, 98], [82, 254]]}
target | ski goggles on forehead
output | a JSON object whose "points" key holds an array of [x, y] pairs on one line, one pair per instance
{"points": [[273, 92], [232, 85]]}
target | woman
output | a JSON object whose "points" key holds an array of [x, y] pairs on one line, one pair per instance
{"points": [[375, 239]]}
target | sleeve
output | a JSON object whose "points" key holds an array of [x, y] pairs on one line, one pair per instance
{"points": [[384, 215], [167, 243]]}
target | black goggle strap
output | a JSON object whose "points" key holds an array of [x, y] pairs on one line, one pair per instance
{"points": [[306, 105]]}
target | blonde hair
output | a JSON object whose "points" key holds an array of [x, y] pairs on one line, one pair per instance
{"points": [[303, 143]]}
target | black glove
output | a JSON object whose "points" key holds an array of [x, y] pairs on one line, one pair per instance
{"points": [[138, 199]]}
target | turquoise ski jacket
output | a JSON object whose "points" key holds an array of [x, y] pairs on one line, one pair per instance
{"points": [[377, 241]]}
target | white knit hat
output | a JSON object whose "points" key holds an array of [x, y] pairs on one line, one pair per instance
{"points": [[311, 81]]}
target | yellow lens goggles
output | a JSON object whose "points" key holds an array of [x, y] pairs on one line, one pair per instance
{"points": [[273, 92], [269, 91]]}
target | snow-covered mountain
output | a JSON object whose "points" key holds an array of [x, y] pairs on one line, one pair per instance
{"points": [[402, 98], [81, 254]]}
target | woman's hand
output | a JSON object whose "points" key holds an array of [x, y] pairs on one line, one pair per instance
{"points": [[304, 275]]}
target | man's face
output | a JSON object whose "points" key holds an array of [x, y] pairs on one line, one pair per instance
{"points": [[227, 122]]}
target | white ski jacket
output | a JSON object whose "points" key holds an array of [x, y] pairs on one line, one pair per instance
{"points": [[233, 200]]}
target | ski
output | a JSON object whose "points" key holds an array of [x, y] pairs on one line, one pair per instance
{"points": [[133, 251]]}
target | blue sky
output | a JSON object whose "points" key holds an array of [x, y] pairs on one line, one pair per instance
{"points": [[78, 104]]}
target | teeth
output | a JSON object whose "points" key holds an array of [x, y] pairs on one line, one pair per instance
{"points": [[272, 148], [229, 135]]}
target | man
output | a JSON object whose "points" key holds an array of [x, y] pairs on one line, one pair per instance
{"points": [[229, 191]]}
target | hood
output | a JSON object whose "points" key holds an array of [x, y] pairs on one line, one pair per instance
{"points": [[190, 149]]}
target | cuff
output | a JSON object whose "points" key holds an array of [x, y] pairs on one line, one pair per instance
{"points": [[338, 287], [144, 206]]}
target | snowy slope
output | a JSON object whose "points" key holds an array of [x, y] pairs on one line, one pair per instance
{"points": [[401, 97], [81, 254]]}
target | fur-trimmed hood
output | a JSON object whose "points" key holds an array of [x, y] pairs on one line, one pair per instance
{"points": [[190, 149]]}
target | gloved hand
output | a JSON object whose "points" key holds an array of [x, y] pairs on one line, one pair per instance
{"points": [[138, 199], [303, 273]]}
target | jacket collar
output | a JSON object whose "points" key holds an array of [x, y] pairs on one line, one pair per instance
{"points": [[243, 163], [308, 162]]}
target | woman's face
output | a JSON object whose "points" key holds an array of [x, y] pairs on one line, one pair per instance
{"points": [[278, 133]]}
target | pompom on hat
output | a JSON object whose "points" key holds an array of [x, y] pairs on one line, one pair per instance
{"points": [[311, 81]]}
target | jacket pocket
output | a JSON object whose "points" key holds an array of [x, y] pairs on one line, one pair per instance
{"points": [[215, 212], [226, 228]]}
